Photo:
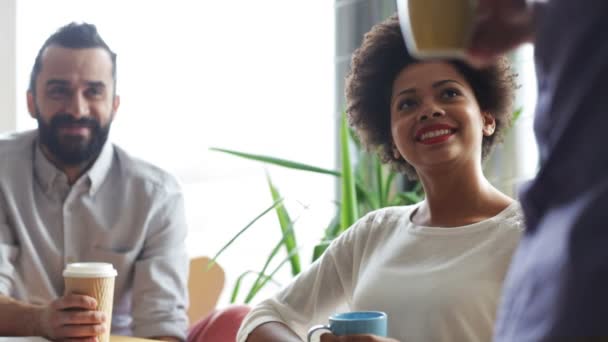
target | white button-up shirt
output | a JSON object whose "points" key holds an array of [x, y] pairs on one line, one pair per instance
{"points": [[122, 211]]}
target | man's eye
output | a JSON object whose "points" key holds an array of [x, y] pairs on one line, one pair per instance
{"points": [[94, 91], [58, 91]]}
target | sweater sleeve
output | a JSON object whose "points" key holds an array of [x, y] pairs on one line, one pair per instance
{"points": [[315, 293]]}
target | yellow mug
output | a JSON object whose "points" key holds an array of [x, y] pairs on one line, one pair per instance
{"points": [[437, 28]]}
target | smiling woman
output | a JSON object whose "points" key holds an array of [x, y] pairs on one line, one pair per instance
{"points": [[493, 88], [435, 267], [423, 95]]}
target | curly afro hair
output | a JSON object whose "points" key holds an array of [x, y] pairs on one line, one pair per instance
{"points": [[376, 64]]}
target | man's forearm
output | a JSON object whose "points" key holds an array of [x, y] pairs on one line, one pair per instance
{"points": [[19, 318]]}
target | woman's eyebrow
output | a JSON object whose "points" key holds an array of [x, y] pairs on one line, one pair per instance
{"points": [[442, 82]]}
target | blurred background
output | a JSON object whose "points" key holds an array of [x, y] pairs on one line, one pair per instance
{"points": [[263, 77]]}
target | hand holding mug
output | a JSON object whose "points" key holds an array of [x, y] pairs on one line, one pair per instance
{"points": [[474, 30], [354, 326], [327, 337], [499, 26]]}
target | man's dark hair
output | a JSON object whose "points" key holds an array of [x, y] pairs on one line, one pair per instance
{"points": [[72, 36]]}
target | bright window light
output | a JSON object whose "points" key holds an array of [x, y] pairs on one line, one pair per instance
{"points": [[256, 76]]}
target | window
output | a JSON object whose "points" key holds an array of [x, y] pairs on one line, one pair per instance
{"points": [[255, 76]]}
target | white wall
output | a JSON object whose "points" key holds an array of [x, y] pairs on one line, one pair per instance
{"points": [[8, 97]]}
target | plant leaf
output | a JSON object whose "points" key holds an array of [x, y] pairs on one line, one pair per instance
{"points": [[319, 250], [266, 211], [255, 287], [379, 183], [254, 291], [409, 197], [365, 197], [516, 114], [388, 184], [349, 203], [239, 280], [277, 161], [286, 228]]}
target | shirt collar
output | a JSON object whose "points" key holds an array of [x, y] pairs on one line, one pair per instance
{"points": [[100, 169], [45, 171], [49, 175]]}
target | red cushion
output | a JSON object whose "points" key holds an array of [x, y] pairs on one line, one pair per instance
{"points": [[221, 325]]}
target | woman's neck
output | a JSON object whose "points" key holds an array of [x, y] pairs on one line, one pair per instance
{"points": [[458, 196]]}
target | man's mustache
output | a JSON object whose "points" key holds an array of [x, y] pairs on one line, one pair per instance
{"points": [[68, 120]]}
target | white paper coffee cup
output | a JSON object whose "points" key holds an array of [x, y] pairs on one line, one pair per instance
{"points": [[94, 279]]}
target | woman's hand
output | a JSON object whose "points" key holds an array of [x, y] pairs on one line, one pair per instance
{"points": [[327, 337]]}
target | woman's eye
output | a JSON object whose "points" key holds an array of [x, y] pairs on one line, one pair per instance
{"points": [[407, 104], [450, 93]]}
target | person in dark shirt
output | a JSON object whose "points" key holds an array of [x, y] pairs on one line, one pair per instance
{"points": [[556, 287]]}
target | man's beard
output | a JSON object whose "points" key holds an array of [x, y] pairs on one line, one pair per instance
{"points": [[72, 150]]}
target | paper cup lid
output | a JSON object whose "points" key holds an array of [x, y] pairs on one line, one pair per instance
{"points": [[89, 270]]}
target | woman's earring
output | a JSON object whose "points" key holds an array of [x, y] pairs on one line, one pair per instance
{"points": [[488, 131], [489, 124], [396, 153]]}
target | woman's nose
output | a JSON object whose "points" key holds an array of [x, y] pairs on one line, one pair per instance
{"points": [[431, 111]]}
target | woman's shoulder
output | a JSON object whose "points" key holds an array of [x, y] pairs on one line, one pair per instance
{"points": [[385, 218], [373, 228], [511, 218]]}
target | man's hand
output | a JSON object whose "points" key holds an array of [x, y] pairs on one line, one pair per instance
{"points": [[501, 25], [72, 317], [355, 338]]}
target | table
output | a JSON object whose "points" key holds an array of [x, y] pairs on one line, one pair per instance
{"points": [[116, 338], [113, 338]]}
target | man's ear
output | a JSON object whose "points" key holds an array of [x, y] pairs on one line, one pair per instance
{"points": [[115, 105], [489, 124], [31, 104]]}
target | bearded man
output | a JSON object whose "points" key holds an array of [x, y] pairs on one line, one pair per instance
{"points": [[69, 195]]}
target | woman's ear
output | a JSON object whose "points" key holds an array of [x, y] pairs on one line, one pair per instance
{"points": [[396, 153], [489, 124]]}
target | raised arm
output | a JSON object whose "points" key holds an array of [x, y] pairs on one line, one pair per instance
{"points": [[501, 26]]}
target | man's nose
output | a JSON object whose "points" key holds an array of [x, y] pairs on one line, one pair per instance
{"points": [[79, 106]]}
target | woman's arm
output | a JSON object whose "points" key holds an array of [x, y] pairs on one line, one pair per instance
{"points": [[311, 297], [273, 331]]}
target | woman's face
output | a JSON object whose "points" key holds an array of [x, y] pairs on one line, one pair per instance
{"points": [[435, 117]]}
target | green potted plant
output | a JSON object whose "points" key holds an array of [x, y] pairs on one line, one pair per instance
{"points": [[365, 185]]}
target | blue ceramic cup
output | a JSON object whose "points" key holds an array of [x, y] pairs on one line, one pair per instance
{"points": [[354, 323]]}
